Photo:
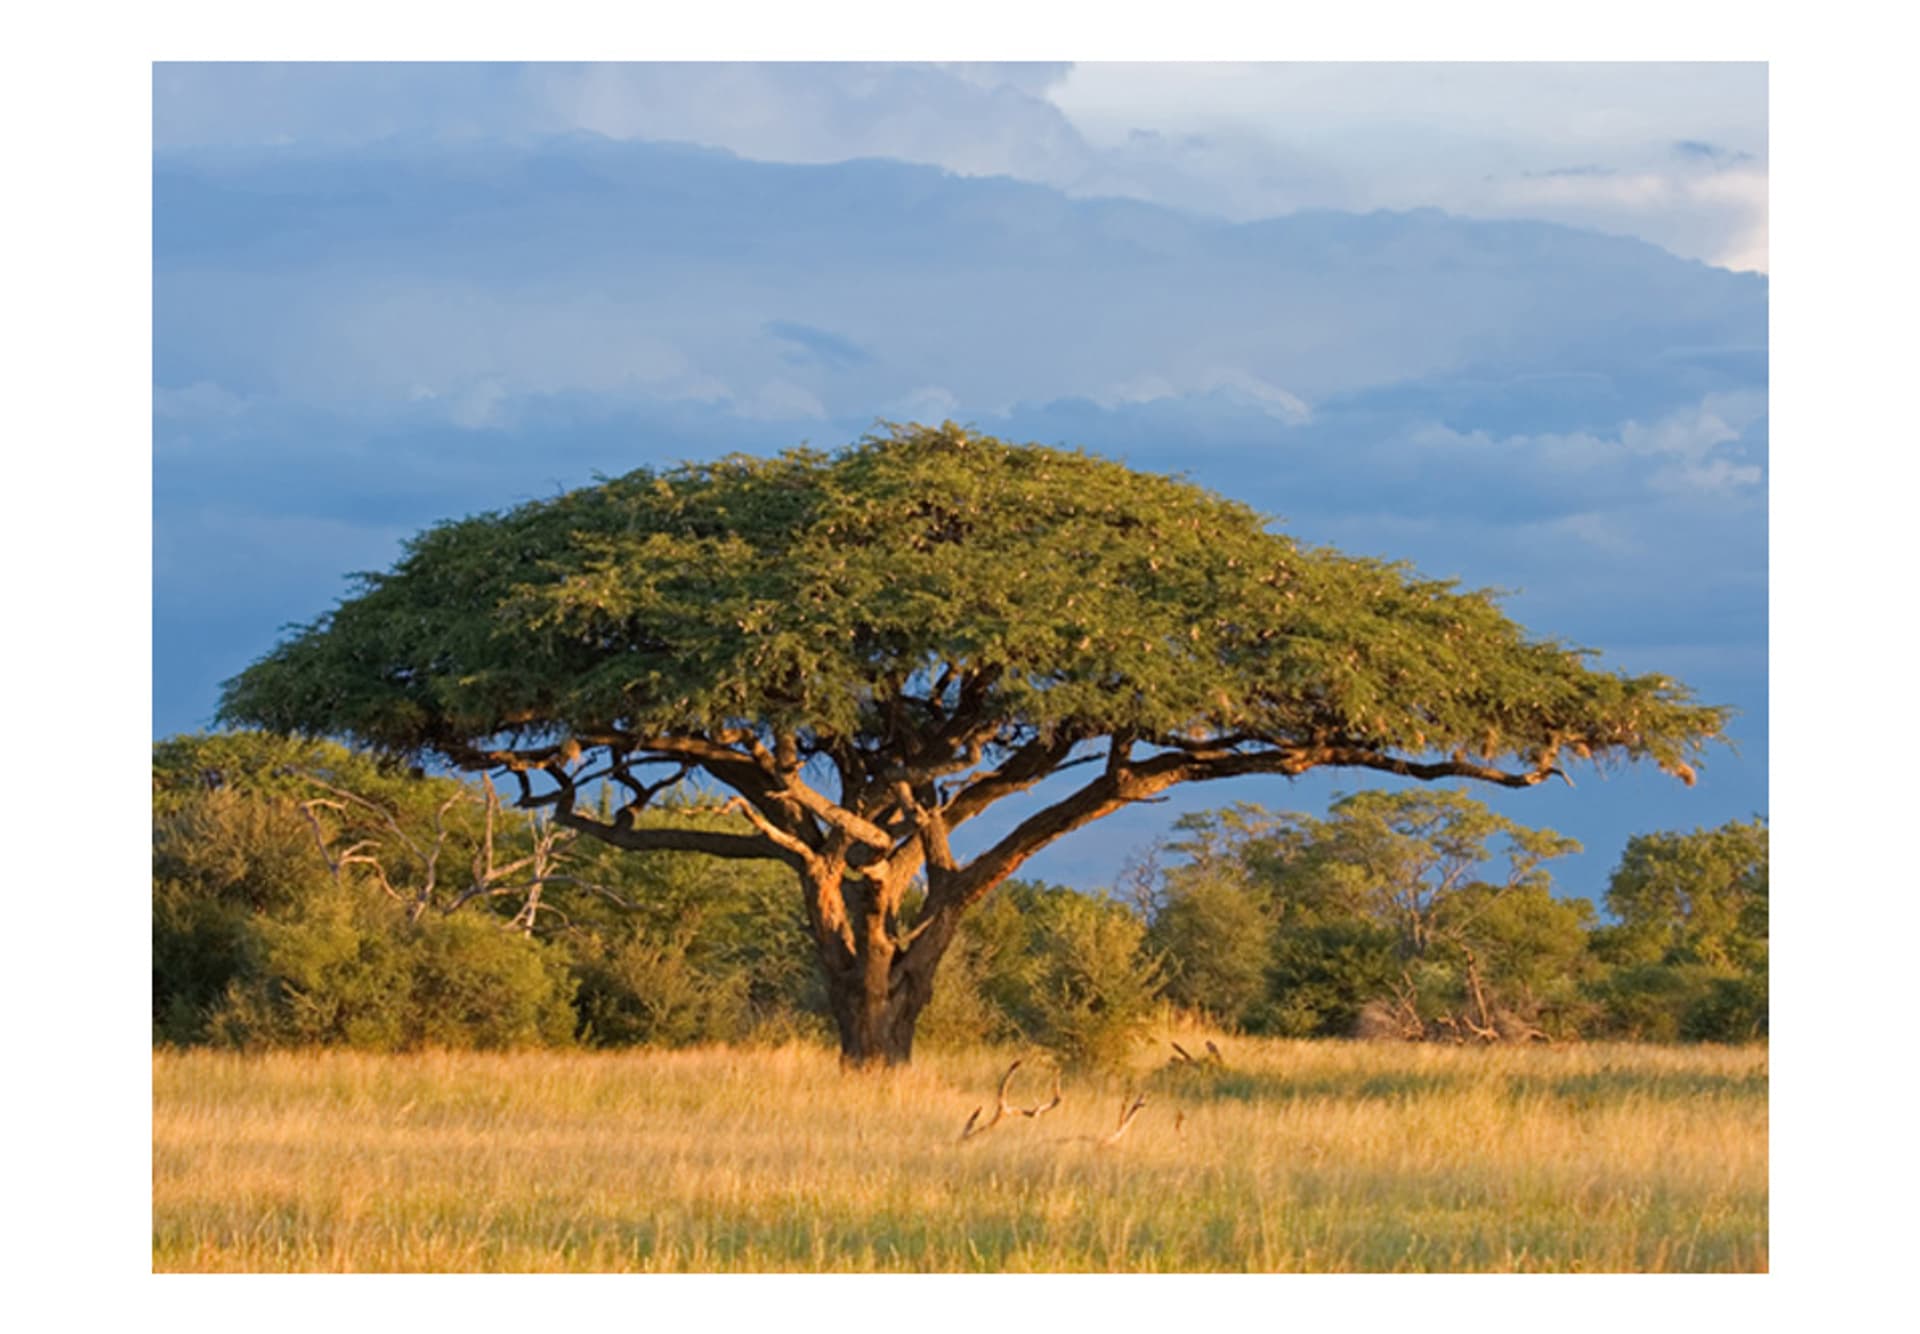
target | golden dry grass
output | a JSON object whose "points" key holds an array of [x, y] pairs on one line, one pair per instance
{"points": [[1302, 1156]]}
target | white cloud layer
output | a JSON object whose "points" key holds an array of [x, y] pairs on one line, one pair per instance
{"points": [[1686, 447], [1671, 153]]}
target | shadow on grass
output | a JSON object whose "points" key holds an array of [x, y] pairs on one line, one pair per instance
{"points": [[1597, 1088], [1614, 1086], [1272, 1086]]}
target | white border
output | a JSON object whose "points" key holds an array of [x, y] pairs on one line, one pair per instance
{"points": [[79, 546]]}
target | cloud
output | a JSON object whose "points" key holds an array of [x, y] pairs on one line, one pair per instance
{"points": [[1694, 434], [479, 405], [978, 119], [1713, 154], [403, 281], [782, 400], [1712, 208], [1230, 383], [201, 401], [928, 403], [1243, 141], [807, 344], [309, 103], [1033, 77], [1684, 451], [358, 341], [1256, 139]]}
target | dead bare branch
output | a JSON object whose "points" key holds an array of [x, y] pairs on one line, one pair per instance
{"points": [[1003, 1108], [1000, 1109], [1127, 1113], [1050, 1104]]}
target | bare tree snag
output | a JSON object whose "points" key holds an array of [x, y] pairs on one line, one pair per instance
{"points": [[351, 841]]}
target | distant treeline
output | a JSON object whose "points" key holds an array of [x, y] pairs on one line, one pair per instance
{"points": [[307, 895]]}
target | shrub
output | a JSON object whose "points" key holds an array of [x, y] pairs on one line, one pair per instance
{"points": [[1727, 1008], [348, 969], [222, 860], [1646, 1002], [1322, 975], [645, 990], [1069, 971], [1683, 1003], [475, 983], [964, 1011], [1212, 942], [200, 947]]}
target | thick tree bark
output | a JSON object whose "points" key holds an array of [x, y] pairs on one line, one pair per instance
{"points": [[877, 990], [875, 1030]]}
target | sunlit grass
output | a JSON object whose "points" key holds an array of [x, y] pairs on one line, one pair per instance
{"points": [[1299, 1156]]}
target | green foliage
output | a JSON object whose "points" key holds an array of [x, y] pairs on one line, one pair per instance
{"points": [[1413, 860], [1728, 1009], [644, 990], [348, 969], [200, 946], [265, 764], [697, 950], [1321, 974], [1532, 950], [1692, 898], [254, 941], [805, 591], [223, 855], [1062, 970], [1690, 944], [929, 602], [1392, 895], [228, 847], [1657, 1002], [1211, 937], [1280, 924], [964, 1011], [1647, 1002], [1525, 939]]}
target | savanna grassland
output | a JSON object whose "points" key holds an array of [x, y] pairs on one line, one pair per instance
{"points": [[1299, 1156]]}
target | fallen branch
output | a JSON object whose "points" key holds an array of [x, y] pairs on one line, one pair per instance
{"points": [[1002, 1108], [1050, 1104], [1126, 1119]]}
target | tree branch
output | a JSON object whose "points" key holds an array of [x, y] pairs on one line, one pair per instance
{"points": [[1034, 761], [711, 842], [853, 826]]}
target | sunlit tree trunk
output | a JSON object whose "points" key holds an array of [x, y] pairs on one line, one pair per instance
{"points": [[877, 987]]}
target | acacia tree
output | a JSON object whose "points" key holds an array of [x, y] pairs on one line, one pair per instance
{"points": [[872, 648], [1416, 859], [1698, 898]]}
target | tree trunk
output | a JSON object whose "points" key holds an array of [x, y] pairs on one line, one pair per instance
{"points": [[877, 993], [874, 1031]]}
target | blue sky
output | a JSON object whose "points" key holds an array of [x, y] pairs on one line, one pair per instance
{"points": [[1507, 322]]}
